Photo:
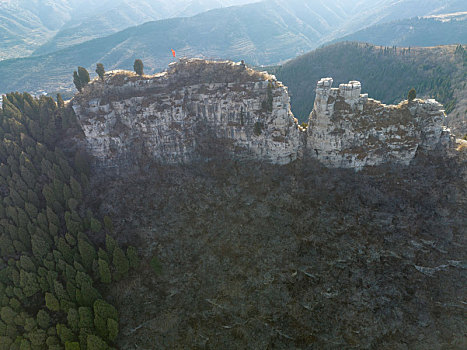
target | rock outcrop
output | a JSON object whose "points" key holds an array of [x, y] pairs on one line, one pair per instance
{"points": [[172, 116], [197, 106], [348, 129]]}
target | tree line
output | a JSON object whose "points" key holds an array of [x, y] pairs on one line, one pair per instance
{"points": [[81, 76]]}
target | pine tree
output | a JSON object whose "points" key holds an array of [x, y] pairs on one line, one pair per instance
{"points": [[72, 346], [85, 317], [8, 315], [83, 76], [108, 224], [60, 102], [86, 250], [100, 71], [29, 283], [112, 327], [77, 81], [412, 94], [73, 319], [138, 67], [51, 302], [95, 225], [104, 271], [110, 243], [133, 258], [95, 343]]}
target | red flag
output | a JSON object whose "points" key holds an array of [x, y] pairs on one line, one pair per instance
{"points": [[173, 53]]}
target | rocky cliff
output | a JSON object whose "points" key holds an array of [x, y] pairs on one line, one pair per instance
{"points": [[251, 255], [348, 129], [201, 106], [172, 116]]}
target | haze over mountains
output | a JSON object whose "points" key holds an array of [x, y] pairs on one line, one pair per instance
{"points": [[26, 25], [420, 31], [261, 33]]}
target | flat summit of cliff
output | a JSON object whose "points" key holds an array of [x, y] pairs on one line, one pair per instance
{"points": [[182, 73], [195, 71]]}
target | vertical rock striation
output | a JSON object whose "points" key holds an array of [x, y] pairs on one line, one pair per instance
{"points": [[198, 107], [348, 129], [174, 116]]}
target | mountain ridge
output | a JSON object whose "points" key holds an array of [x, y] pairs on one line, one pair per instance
{"points": [[418, 31], [198, 102]]}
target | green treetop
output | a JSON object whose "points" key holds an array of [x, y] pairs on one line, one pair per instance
{"points": [[138, 67], [100, 71]]}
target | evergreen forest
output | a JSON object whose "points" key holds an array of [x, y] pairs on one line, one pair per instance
{"points": [[58, 260]]}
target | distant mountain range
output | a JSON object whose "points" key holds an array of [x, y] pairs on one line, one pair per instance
{"points": [[418, 31], [42, 26], [262, 33]]}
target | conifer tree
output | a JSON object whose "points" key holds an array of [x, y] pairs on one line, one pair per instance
{"points": [[138, 67], [72, 346], [51, 302], [95, 343], [86, 250], [100, 71], [73, 319], [104, 271], [60, 102], [133, 258], [85, 317], [77, 81], [83, 76]]}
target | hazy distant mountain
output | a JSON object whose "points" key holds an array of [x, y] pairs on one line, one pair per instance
{"points": [[418, 31], [26, 25], [366, 13], [261, 33], [44, 26]]}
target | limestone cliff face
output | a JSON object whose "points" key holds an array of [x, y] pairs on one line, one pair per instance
{"points": [[201, 106], [173, 116], [348, 129]]}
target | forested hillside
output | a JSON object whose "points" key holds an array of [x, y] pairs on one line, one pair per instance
{"points": [[58, 259], [386, 73]]}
